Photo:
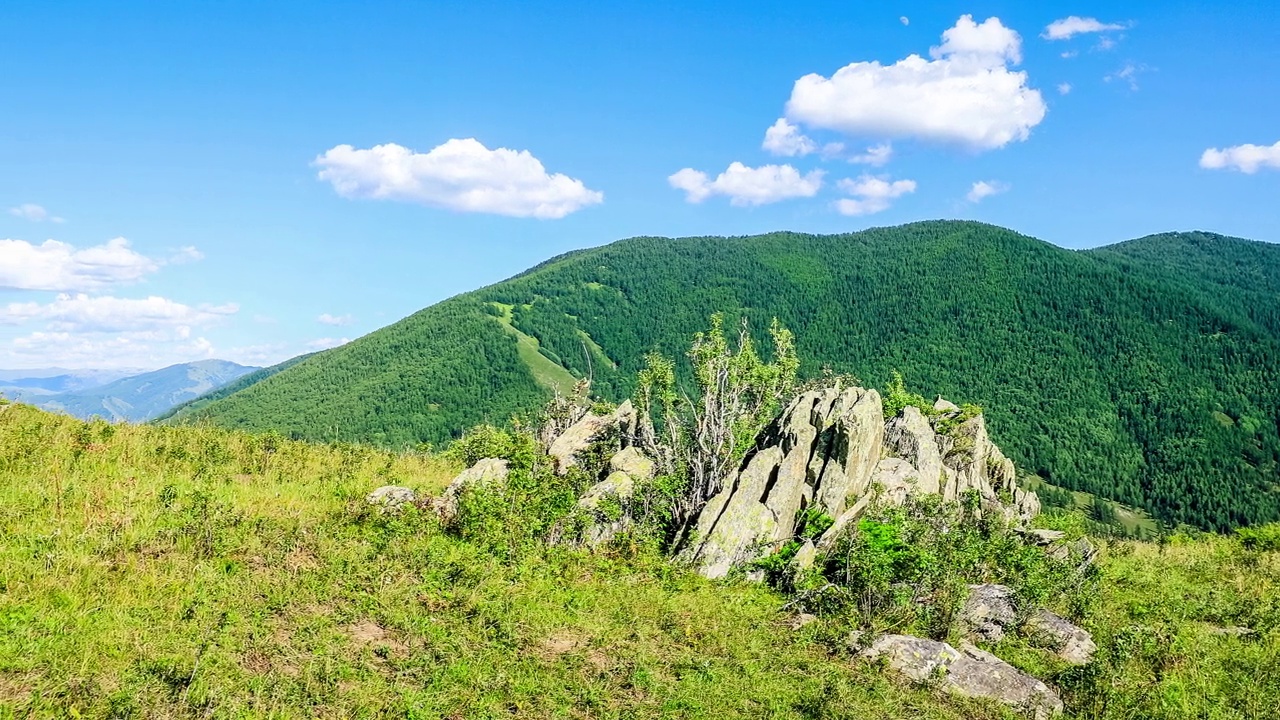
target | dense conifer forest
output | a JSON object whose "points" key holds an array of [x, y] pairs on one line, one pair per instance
{"points": [[1145, 372]]}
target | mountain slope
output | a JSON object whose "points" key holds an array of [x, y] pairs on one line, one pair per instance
{"points": [[144, 396], [183, 409], [1104, 372], [1236, 274]]}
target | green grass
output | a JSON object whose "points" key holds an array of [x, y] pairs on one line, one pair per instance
{"points": [[160, 572]]}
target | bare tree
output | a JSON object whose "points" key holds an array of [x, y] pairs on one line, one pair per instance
{"points": [[737, 393]]}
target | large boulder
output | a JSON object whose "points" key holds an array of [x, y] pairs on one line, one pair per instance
{"points": [[634, 463], [1072, 643], [591, 429], [391, 498], [486, 473], [968, 671], [989, 612], [911, 438]]}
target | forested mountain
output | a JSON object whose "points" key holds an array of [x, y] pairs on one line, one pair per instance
{"points": [[1123, 371], [194, 404], [1241, 276], [146, 395]]}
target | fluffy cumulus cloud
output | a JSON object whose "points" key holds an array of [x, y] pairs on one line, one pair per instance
{"points": [[109, 332], [984, 189], [1073, 25], [1064, 88], [461, 175], [83, 313], [34, 213], [783, 138], [54, 265], [327, 319], [965, 95], [1246, 158], [871, 194], [748, 186], [875, 156]]}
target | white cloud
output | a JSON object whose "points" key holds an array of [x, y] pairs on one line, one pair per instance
{"points": [[748, 186], [461, 175], [1129, 74], [965, 95], [875, 156], [82, 313], [1073, 25], [185, 255], [327, 319], [327, 343], [985, 189], [34, 213], [1246, 158], [871, 194], [55, 265], [1068, 54], [783, 138], [1105, 44], [147, 350], [1064, 88]]}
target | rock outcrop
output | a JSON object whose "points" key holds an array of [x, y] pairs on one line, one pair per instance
{"points": [[391, 498], [592, 428], [969, 671], [990, 612], [1073, 644], [489, 472], [603, 504], [821, 452], [831, 450]]}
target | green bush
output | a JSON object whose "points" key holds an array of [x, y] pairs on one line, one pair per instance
{"points": [[1265, 538]]}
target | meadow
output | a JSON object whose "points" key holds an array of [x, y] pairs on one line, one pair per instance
{"points": [[175, 572]]}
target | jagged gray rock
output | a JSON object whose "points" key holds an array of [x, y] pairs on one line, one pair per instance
{"points": [[1044, 538], [819, 453], [587, 431], [489, 472], [603, 506], [1072, 643], [391, 497], [634, 463], [911, 438], [969, 671], [831, 450], [989, 612]]}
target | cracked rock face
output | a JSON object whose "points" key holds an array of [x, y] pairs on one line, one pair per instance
{"points": [[969, 671], [821, 452], [831, 450]]}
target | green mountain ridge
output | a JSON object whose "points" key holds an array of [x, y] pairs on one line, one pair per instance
{"points": [[147, 395], [1139, 372]]}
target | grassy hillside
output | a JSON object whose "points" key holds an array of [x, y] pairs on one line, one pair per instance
{"points": [[1104, 372], [192, 572]]}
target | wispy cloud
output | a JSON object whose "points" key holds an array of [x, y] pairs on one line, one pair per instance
{"points": [[34, 213]]}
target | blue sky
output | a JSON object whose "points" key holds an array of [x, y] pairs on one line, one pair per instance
{"points": [[289, 175]]}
